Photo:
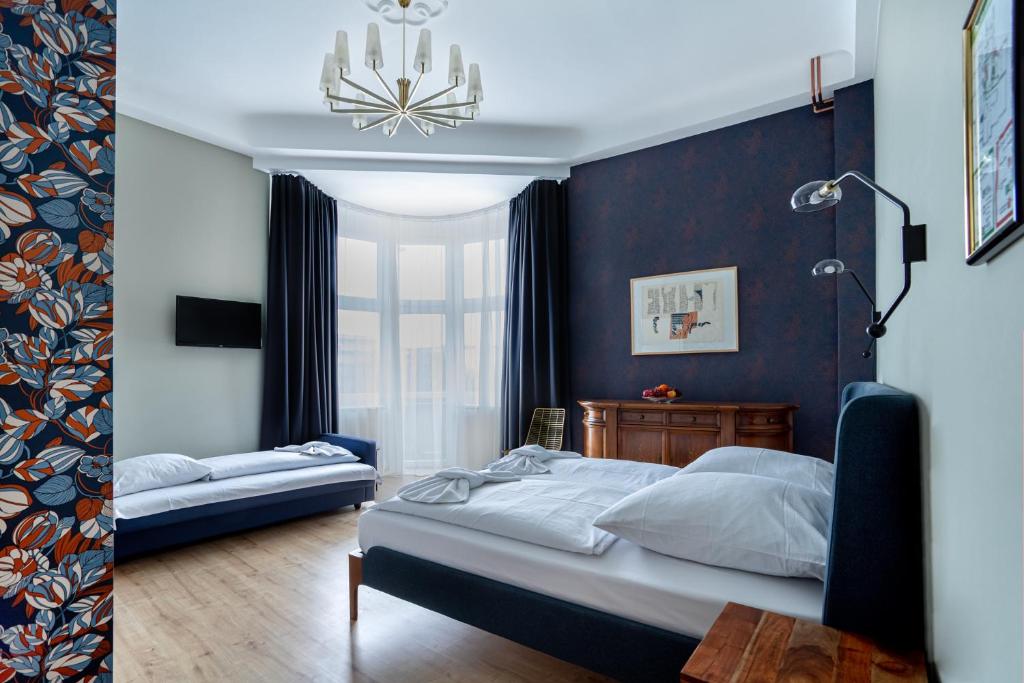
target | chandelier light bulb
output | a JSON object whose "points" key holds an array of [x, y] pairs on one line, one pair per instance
{"points": [[475, 91], [341, 52], [359, 120], [422, 63], [456, 72], [374, 53], [327, 73]]}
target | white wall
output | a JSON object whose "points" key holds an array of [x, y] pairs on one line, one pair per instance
{"points": [[191, 219], [957, 344]]}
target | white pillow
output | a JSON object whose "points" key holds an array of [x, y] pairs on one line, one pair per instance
{"points": [[156, 471], [814, 473], [741, 521]]}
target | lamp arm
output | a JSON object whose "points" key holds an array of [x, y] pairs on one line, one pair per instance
{"points": [[900, 297], [893, 199], [862, 288]]}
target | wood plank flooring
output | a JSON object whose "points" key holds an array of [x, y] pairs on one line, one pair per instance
{"points": [[272, 605]]}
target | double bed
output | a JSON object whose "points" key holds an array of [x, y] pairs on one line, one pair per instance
{"points": [[635, 614]]}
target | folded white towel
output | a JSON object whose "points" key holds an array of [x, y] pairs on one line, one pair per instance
{"points": [[321, 448], [451, 485], [528, 460]]}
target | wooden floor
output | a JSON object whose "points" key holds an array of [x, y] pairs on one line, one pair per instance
{"points": [[272, 605]]}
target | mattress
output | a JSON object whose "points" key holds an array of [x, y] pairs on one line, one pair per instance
{"points": [[627, 580], [156, 501]]}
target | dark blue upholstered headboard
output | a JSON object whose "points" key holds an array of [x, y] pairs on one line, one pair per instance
{"points": [[874, 581]]}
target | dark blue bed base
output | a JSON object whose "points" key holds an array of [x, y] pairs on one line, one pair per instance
{"points": [[873, 584], [145, 535]]}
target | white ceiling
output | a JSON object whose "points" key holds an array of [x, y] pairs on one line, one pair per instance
{"points": [[564, 80]]}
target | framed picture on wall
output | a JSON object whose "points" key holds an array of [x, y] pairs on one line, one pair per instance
{"points": [[692, 312], [992, 114]]}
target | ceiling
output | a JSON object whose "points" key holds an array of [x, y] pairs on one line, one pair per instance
{"points": [[565, 81]]}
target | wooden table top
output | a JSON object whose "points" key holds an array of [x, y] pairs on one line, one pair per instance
{"points": [[748, 644]]}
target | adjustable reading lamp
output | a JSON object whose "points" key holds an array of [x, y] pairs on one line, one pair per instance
{"points": [[821, 194]]}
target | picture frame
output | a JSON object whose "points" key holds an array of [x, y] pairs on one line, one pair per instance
{"points": [[992, 128], [689, 312]]}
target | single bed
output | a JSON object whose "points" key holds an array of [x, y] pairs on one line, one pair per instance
{"points": [[637, 615], [158, 519]]}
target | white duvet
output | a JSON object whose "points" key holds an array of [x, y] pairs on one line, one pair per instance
{"points": [[550, 512], [625, 474]]}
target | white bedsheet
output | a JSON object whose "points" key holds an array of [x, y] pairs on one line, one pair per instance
{"points": [[627, 580], [626, 474], [156, 501], [549, 512], [261, 462]]}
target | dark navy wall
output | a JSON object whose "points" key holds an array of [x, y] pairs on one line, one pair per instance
{"points": [[717, 199]]}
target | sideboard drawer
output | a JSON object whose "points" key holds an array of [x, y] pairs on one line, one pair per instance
{"points": [[643, 417], [762, 419], [693, 419]]}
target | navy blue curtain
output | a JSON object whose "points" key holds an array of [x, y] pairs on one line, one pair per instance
{"points": [[300, 383], [535, 373]]}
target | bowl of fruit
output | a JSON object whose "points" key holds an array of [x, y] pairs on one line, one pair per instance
{"points": [[662, 393]]}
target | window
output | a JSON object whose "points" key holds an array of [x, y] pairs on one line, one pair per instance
{"points": [[421, 319]]}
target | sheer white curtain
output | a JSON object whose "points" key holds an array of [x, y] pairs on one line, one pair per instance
{"points": [[421, 317]]}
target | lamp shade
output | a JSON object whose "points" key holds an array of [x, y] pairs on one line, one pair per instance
{"points": [[359, 120], [428, 128], [328, 75], [456, 72], [454, 111], [341, 52], [475, 91], [829, 266], [374, 53], [809, 197], [422, 62]]}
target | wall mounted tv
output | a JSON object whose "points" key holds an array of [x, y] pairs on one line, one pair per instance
{"points": [[213, 322]]}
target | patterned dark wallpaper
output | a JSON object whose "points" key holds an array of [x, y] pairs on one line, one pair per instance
{"points": [[717, 199], [56, 260]]}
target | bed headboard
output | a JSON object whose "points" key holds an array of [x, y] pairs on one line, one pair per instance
{"points": [[874, 580]]}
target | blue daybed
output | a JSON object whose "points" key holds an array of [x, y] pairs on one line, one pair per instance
{"points": [[143, 535]]}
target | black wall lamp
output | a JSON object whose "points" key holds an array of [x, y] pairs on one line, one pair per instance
{"points": [[821, 194]]}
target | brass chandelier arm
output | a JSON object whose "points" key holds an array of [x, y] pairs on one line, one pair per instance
{"points": [[430, 119], [367, 91], [433, 97], [387, 87], [415, 86], [379, 122], [363, 107], [440, 107], [417, 127], [441, 115]]}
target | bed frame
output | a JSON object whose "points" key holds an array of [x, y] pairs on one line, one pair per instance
{"points": [[873, 583], [144, 535]]}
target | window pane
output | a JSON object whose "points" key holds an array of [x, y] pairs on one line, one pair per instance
{"points": [[359, 358], [421, 272], [482, 351], [357, 268], [421, 339], [473, 270]]}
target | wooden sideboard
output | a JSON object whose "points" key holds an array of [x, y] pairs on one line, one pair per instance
{"points": [[678, 433]]}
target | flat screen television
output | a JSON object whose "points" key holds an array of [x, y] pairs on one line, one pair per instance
{"points": [[217, 323]]}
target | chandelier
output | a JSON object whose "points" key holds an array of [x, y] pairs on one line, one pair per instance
{"points": [[390, 108]]}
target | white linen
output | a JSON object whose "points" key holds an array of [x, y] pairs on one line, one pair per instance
{"points": [[731, 520], [804, 470], [319, 448], [156, 501], [260, 462], [451, 485], [626, 474], [552, 513], [529, 460], [628, 581], [155, 471]]}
